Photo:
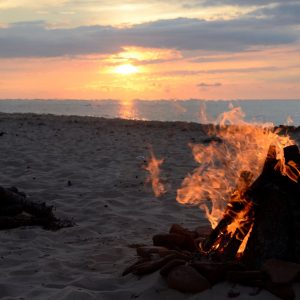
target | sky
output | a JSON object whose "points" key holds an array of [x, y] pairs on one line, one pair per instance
{"points": [[154, 49]]}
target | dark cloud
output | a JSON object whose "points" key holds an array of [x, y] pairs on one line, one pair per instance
{"points": [[212, 58], [284, 14], [237, 2], [193, 34], [221, 71], [208, 85], [35, 39], [242, 70]]}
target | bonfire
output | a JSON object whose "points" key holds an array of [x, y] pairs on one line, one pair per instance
{"points": [[248, 185]]}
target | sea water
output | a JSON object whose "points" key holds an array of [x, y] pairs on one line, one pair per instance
{"points": [[275, 111]]}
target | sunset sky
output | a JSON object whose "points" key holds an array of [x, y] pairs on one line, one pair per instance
{"points": [[113, 49]]}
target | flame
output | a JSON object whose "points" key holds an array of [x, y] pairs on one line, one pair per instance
{"points": [[244, 243], [153, 168], [237, 147], [229, 162], [291, 170], [237, 225]]}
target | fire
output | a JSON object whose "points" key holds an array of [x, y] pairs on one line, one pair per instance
{"points": [[237, 225], [244, 243], [292, 171], [240, 147], [227, 166], [153, 168]]}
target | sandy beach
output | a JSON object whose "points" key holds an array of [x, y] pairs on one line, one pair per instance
{"points": [[91, 170]]}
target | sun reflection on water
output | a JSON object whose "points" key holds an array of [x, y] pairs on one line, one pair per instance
{"points": [[128, 110]]}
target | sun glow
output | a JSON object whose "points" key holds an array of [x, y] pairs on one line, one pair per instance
{"points": [[126, 69]]}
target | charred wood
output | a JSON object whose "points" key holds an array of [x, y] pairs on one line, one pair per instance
{"points": [[276, 229], [273, 215]]}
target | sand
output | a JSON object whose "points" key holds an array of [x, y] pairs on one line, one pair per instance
{"points": [[108, 199]]}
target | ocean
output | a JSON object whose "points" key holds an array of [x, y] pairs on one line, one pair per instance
{"points": [[276, 111]]}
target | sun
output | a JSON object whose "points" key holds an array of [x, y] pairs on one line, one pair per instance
{"points": [[126, 69]]}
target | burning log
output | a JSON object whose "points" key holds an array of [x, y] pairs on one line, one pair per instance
{"points": [[276, 229], [241, 208], [267, 212], [224, 242], [16, 211]]}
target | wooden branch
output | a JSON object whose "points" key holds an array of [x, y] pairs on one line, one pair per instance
{"points": [[16, 211]]}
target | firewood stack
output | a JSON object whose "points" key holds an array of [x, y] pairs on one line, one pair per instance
{"points": [[192, 261]]}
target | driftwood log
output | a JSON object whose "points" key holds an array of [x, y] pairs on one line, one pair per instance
{"points": [[17, 210]]}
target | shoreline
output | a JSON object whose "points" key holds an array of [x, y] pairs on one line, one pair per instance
{"points": [[275, 111], [77, 118]]}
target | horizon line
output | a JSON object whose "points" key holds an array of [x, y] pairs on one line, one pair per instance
{"points": [[145, 100]]}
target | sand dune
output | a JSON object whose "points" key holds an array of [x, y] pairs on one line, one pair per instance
{"points": [[90, 169]]}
